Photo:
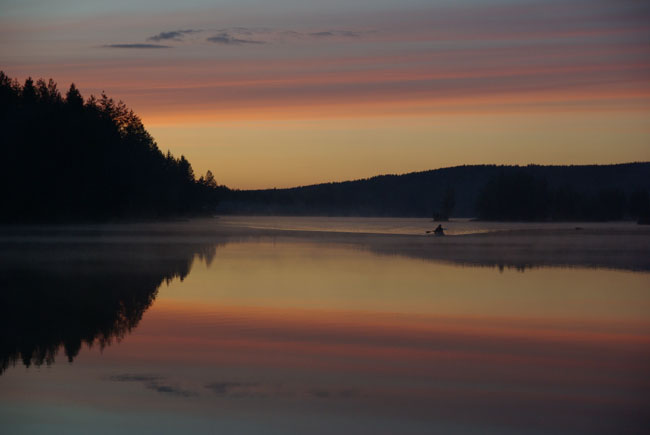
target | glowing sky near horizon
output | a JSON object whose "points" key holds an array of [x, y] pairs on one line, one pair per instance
{"points": [[285, 92]]}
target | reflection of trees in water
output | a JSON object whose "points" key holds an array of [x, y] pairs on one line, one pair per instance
{"points": [[62, 295], [65, 296], [525, 252]]}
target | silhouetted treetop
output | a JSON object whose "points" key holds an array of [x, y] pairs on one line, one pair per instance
{"points": [[73, 97]]}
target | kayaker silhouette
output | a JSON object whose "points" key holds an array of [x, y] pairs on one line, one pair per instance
{"points": [[439, 231]]}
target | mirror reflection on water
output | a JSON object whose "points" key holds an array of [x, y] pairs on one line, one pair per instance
{"points": [[213, 327]]}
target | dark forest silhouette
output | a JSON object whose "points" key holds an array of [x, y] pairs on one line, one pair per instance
{"points": [[66, 158], [490, 192], [519, 196], [69, 159]]}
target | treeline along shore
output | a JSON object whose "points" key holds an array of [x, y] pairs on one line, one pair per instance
{"points": [[487, 192], [67, 159]]}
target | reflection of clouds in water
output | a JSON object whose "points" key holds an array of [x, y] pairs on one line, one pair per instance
{"points": [[234, 389], [169, 389], [134, 378], [333, 394], [230, 389], [153, 382]]}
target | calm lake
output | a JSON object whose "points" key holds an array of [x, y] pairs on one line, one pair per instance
{"points": [[317, 325]]}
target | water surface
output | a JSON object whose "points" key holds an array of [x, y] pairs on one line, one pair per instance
{"points": [[199, 327]]}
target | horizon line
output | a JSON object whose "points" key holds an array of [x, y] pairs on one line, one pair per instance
{"points": [[439, 169]]}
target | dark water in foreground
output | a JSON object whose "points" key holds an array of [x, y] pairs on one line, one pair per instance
{"points": [[170, 330]]}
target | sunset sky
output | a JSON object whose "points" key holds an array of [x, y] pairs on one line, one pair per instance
{"points": [[286, 92]]}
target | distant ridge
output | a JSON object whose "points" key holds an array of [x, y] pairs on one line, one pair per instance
{"points": [[420, 194]]}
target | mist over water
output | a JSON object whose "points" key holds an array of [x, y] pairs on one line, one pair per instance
{"points": [[315, 325], [418, 226]]}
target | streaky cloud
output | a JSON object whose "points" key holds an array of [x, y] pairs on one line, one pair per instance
{"points": [[227, 39], [136, 46], [335, 33], [320, 34], [260, 35], [174, 35], [245, 30]]}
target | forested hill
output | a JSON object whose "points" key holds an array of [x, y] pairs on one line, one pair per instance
{"points": [[69, 159], [590, 192]]}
